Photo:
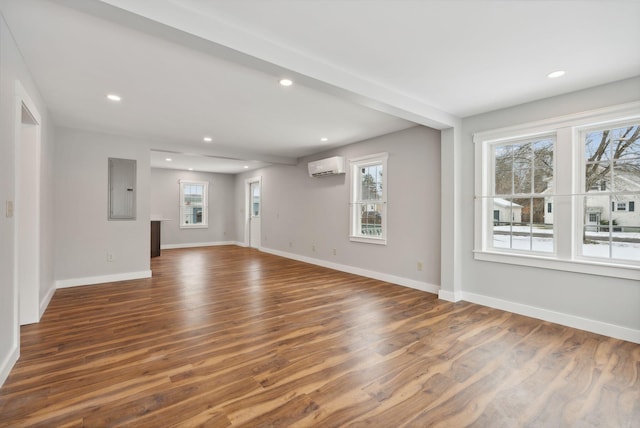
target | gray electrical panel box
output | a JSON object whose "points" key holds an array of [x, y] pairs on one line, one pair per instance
{"points": [[122, 189]]}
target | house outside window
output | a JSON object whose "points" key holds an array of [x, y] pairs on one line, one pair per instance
{"points": [[522, 172], [585, 170], [369, 199], [194, 204], [612, 158]]}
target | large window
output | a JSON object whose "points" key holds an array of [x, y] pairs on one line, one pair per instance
{"points": [[369, 199], [611, 164], [562, 193], [194, 204], [522, 174]]}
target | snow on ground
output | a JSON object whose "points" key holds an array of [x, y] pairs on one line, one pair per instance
{"points": [[539, 230], [600, 249]]}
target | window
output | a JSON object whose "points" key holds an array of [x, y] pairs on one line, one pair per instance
{"points": [[194, 204], [611, 156], [522, 172], [369, 199], [561, 193]]}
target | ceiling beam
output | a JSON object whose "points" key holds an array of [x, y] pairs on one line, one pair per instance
{"points": [[214, 36]]}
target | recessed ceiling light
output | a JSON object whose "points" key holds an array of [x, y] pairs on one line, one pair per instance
{"points": [[556, 74], [190, 169], [168, 159], [246, 167], [114, 97], [323, 139], [207, 139], [286, 82]]}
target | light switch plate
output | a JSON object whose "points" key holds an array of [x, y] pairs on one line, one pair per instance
{"points": [[9, 209]]}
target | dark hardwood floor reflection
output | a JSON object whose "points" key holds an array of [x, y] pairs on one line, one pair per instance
{"points": [[229, 336]]}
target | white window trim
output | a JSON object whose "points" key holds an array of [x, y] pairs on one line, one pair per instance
{"points": [[566, 257], [355, 164], [205, 205], [487, 207]]}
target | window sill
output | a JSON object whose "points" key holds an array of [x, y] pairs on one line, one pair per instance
{"points": [[377, 241], [195, 226], [578, 266]]}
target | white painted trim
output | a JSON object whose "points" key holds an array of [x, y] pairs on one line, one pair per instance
{"points": [[26, 309], [8, 363], [567, 181], [196, 244], [577, 266], [90, 280], [44, 303], [599, 327], [406, 282], [449, 296], [205, 205], [355, 165], [600, 116]]}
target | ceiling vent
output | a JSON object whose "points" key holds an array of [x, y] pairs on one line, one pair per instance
{"points": [[329, 166]]}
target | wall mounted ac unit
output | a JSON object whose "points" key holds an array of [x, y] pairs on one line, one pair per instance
{"points": [[329, 166]]}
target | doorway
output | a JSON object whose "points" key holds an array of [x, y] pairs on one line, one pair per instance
{"points": [[253, 210], [27, 209]]}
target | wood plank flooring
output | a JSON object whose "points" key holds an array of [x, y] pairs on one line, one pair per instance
{"points": [[232, 337]]}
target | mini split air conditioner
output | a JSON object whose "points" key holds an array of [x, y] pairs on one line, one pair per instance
{"points": [[329, 166]]}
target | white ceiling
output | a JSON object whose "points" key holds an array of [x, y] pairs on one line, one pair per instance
{"points": [[191, 68]]}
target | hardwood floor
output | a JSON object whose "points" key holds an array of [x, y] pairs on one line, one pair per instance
{"points": [[229, 336]]}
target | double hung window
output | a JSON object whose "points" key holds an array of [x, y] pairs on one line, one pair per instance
{"points": [[522, 174], [194, 204], [611, 158], [369, 199], [561, 194]]}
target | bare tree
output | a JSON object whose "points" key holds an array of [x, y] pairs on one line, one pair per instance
{"points": [[525, 168], [618, 149]]}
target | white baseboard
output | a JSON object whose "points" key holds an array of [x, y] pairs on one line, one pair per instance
{"points": [[599, 327], [406, 282], [197, 244], [47, 299], [90, 280], [449, 296], [8, 362]]}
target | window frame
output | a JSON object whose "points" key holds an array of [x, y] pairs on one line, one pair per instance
{"points": [[356, 164], [205, 204], [567, 181], [491, 195], [580, 133]]}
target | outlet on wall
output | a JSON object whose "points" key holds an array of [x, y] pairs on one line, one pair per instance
{"points": [[9, 209], [110, 257], [419, 266], [313, 248], [334, 252]]}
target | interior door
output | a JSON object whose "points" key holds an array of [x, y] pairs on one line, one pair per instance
{"points": [[254, 213]]}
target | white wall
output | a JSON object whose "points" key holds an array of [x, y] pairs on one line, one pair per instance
{"points": [[314, 212], [12, 69], [592, 302], [84, 236], [165, 194]]}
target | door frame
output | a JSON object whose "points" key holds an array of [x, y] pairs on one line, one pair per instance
{"points": [[27, 236]]}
